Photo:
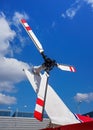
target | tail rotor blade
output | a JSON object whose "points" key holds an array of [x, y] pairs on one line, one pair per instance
{"points": [[66, 67], [32, 35], [41, 97]]}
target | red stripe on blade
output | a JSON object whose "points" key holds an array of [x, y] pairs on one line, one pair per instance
{"points": [[72, 69], [40, 102], [28, 28], [23, 20], [38, 115]]}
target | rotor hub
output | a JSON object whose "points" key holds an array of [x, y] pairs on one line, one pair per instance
{"points": [[49, 64]]}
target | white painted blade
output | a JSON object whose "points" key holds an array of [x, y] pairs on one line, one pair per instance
{"points": [[55, 108], [41, 97], [66, 67], [32, 35]]}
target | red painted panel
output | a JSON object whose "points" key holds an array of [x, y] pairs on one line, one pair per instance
{"points": [[79, 126]]}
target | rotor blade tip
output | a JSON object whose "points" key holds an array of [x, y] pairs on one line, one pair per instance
{"points": [[38, 116], [23, 20], [73, 69]]}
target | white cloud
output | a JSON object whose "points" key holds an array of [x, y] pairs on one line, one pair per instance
{"points": [[71, 12], [6, 86], [6, 35], [11, 72], [11, 69], [90, 2], [18, 16], [7, 100], [86, 97], [75, 7]]}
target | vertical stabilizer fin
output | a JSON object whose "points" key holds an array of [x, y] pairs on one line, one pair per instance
{"points": [[55, 108]]}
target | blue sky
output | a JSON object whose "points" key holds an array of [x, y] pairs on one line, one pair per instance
{"points": [[65, 30]]}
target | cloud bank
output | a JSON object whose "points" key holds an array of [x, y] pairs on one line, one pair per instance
{"points": [[10, 68]]}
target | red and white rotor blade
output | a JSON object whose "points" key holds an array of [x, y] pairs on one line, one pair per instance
{"points": [[32, 35], [66, 67], [41, 97]]}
